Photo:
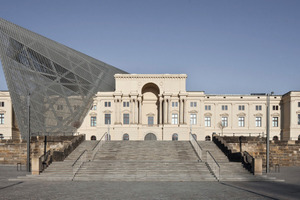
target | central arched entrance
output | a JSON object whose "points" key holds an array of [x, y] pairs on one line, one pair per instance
{"points": [[150, 136]]}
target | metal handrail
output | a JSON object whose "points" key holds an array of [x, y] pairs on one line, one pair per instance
{"points": [[98, 145], [242, 134], [196, 146], [213, 164], [78, 163]]}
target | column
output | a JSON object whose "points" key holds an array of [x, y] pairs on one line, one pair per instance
{"points": [[116, 110], [131, 116], [140, 110], [180, 111], [165, 110], [160, 109], [185, 112], [136, 106], [168, 112]]}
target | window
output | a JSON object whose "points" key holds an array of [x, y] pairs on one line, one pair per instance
{"points": [[207, 107], [258, 121], [1, 104], [242, 107], [193, 104], [298, 119], [207, 121], [241, 121], [107, 104], [126, 104], [298, 104], [193, 118], [174, 118], [224, 121], [224, 107], [150, 120], [60, 107], [93, 121], [175, 137], [125, 118], [257, 107], [275, 107], [107, 119], [1, 118], [275, 122], [94, 107], [174, 104], [125, 136]]}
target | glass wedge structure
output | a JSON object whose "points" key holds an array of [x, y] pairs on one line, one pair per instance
{"points": [[60, 81]]}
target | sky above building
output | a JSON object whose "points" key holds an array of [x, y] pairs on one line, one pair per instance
{"points": [[225, 47]]}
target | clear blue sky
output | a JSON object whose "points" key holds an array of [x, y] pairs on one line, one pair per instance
{"points": [[225, 47]]}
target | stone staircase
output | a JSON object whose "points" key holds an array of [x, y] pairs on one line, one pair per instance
{"points": [[230, 171], [145, 161]]}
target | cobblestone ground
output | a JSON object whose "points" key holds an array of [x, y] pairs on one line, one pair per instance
{"points": [[141, 190]]}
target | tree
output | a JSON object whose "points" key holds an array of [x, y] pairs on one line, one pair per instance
{"points": [[221, 126]]}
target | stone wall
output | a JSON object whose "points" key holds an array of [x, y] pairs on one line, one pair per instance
{"points": [[13, 152], [284, 153]]}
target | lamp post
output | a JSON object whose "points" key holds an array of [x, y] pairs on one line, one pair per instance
{"points": [[28, 138], [268, 133]]}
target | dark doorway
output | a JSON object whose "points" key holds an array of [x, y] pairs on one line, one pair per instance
{"points": [[207, 138], [150, 136], [125, 136], [175, 137]]}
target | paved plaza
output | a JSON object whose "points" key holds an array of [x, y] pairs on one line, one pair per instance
{"points": [[290, 189]]}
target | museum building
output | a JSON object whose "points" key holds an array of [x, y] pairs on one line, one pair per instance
{"points": [[157, 106]]}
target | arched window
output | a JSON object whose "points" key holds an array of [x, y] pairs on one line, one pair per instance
{"points": [[175, 137], [125, 136], [275, 138], [93, 137], [207, 138], [150, 136]]}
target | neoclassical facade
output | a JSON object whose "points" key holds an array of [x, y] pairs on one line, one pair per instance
{"points": [[157, 106]]}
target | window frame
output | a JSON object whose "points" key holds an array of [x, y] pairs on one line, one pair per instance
{"points": [[193, 119], [275, 122], [174, 118], [241, 122], [258, 121], [207, 121], [1, 118], [107, 118], [150, 120], [93, 121], [225, 121], [126, 117], [207, 107]]}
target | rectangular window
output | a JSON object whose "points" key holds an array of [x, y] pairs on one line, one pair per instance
{"points": [[2, 104], [275, 107], [298, 104], [193, 104], [224, 121], [241, 121], [193, 118], [242, 107], [1, 118], [107, 119], [125, 118], [257, 107], [258, 121], [60, 107], [275, 122], [207, 122], [174, 118], [93, 121], [150, 120], [107, 104], [224, 107], [174, 104], [298, 119], [126, 104], [207, 107]]}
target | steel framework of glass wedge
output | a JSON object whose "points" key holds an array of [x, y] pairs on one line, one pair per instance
{"points": [[61, 81]]}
